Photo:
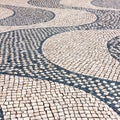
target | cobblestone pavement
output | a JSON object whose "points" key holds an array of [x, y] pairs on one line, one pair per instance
{"points": [[59, 60], [107, 3]]}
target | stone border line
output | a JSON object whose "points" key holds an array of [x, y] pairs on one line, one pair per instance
{"points": [[114, 47], [107, 3]]}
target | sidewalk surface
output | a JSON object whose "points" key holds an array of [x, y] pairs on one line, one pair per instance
{"points": [[59, 59]]}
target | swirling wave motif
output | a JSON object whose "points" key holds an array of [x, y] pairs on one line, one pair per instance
{"points": [[83, 52], [46, 3], [107, 3], [114, 47], [21, 55], [106, 19], [26, 16]]}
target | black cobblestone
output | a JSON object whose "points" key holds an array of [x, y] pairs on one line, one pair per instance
{"points": [[1, 114]]}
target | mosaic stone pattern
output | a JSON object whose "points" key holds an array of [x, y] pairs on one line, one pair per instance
{"points": [[33, 87], [5, 12], [24, 57], [26, 16], [95, 60], [114, 47], [107, 3], [45, 3], [41, 99]]}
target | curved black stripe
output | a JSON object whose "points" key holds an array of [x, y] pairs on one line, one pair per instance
{"points": [[26, 16]]}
